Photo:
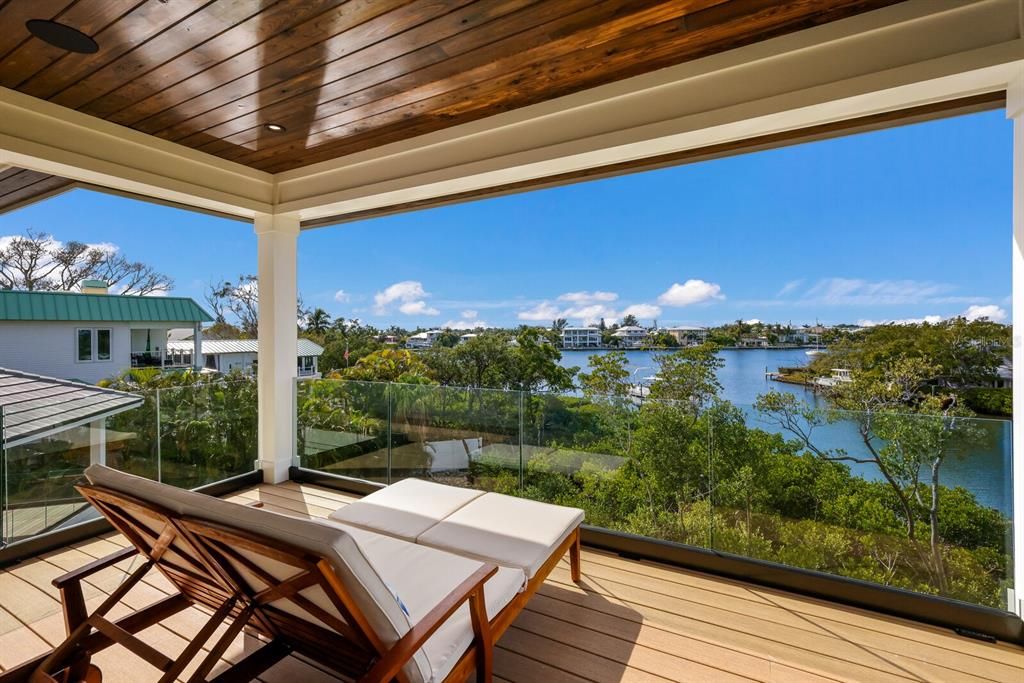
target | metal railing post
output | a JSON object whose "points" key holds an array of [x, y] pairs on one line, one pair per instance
{"points": [[522, 478], [388, 396], [159, 464]]}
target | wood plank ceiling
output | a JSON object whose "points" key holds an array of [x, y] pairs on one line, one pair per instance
{"points": [[347, 76]]}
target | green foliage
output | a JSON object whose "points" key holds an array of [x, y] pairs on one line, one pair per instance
{"points": [[960, 353], [389, 365], [608, 376], [688, 375], [997, 402]]}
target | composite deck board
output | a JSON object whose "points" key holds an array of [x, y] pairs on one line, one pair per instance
{"points": [[629, 621]]}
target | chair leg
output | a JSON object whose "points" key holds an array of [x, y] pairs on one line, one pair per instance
{"points": [[574, 556], [484, 641]]}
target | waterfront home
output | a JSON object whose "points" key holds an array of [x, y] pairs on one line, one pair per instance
{"points": [[631, 336], [687, 335], [239, 355], [581, 338], [466, 337], [422, 340], [753, 343], [291, 116], [92, 335]]}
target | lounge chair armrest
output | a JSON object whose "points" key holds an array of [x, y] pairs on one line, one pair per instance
{"points": [[76, 575], [388, 666]]}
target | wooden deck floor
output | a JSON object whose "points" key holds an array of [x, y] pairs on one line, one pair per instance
{"points": [[630, 621]]}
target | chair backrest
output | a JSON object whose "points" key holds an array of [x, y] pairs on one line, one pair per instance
{"points": [[304, 580]]}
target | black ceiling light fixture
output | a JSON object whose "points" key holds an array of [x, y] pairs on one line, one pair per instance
{"points": [[61, 36], [274, 127]]}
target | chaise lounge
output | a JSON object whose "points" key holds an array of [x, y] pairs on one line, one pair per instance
{"points": [[413, 583]]}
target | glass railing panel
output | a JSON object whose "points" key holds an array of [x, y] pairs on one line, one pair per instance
{"points": [[186, 436], [456, 436], [41, 471], [633, 465], [918, 502], [132, 439], [207, 432], [342, 427]]}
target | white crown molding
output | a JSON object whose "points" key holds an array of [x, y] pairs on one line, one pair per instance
{"points": [[46, 137]]}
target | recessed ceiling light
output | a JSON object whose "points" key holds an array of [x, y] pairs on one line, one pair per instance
{"points": [[61, 36], [274, 127]]}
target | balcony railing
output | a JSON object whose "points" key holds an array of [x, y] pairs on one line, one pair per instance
{"points": [[916, 502], [188, 436]]}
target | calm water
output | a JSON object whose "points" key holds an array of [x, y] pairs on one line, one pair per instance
{"points": [[984, 470]]}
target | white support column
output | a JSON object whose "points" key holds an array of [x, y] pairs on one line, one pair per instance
{"points": [[98, 442], [277, 243], [197, 347], [1015, 111]]}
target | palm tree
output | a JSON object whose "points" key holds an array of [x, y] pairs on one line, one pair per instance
{"points": [[559, 324], [319, 320]]}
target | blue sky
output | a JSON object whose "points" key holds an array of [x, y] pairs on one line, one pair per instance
{"points": [[905, 223]]}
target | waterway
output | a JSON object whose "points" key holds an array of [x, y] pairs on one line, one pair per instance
{"points": [[984, 470]]}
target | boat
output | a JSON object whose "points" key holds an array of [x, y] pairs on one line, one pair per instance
{"points": [[817, 350]]}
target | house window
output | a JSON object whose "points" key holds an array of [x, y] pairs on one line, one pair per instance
{"points": [[93, 344], [84, 345], [102, 344]]}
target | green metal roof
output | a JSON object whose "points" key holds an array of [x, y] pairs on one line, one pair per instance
{"points": [[72, 307]]}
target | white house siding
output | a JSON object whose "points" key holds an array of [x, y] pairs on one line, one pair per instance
{"points": [[226, 362], [49, 348]]}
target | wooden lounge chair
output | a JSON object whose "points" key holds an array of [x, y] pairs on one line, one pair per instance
{"points": [[366, 605]]}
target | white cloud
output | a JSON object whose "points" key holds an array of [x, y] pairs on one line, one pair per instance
{"points": [[930, 319], [690, 292], [409, 293], [973, 312], [641, 311], [418, 308], [837, 291], [466, 324], [584, 298], [753, 321], [545, 310], [789, 287], [991, 311], [469, 314], [341, 296]]}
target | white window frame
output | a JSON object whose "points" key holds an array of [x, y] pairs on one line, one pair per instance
{"points": [[94, 344]]}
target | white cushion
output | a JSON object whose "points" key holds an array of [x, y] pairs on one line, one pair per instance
{"points": [[406, 508], [360, 576], [514, 532], [421, 577]]}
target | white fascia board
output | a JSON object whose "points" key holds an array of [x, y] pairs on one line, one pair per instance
{"points": [[906, 55], [46, 137]]}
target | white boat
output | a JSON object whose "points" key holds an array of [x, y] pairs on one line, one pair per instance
{"points": [[814, 352]]}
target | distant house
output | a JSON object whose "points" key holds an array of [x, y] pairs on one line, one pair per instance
{"points": [[631, 336], [422, 340], [92, 335], [227, 355], [466, 337], [581, 338], [687, 335], [753, 343]]}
